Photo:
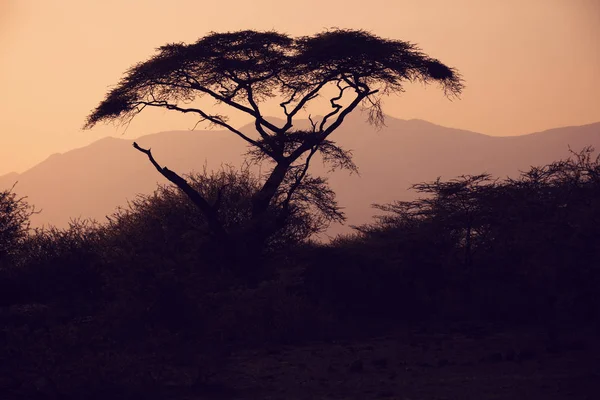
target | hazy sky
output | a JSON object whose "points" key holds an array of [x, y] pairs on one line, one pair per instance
{"points": [[529, 65]]}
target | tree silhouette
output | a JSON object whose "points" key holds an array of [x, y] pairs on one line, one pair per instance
{"points": [[522, 248], [245, 68], [14, 221]]}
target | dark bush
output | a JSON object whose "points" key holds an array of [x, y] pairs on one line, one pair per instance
{"points": [[522, 250], [58, 266], [14, 223]]}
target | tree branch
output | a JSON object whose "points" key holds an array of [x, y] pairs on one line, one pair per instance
{"points": [[207, 210], [214, 119], [309, 96], [317, 139], [287, 102], [336, 107], [299, 177], [361, 96], [259, 126], [194, 84]]}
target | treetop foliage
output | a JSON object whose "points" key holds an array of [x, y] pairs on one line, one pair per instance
{"points": [[243, 68]]}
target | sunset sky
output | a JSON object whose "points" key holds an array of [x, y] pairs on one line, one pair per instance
{"points": [[529, 65]]}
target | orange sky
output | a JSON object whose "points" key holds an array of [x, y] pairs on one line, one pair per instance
{"points": [[529, 65]]}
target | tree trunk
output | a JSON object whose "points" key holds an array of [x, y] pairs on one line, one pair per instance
{"points": [[262, 199], [246, 246]]}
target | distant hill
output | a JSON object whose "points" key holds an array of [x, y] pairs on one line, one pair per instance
{"points": [[92, 181], [5, 180]]}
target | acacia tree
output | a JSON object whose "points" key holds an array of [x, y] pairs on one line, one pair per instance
{"points": [[244, 69], [460, 209]]}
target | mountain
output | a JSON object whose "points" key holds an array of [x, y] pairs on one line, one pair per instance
{"points": [[10, 177], [92, 181]]}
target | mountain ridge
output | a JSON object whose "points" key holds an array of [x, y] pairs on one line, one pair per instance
{"points": [[250, 126], [91, 181]]}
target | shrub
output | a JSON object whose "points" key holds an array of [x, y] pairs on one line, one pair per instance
{"points": [[521, 250], [14, 222], [57, 266]]}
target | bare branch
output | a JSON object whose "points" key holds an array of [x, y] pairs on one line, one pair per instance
{"points": [[337, 157], [258, 124], [336, 107], [287, 102], [208, 211], [307, 97], [254, 113], [313, 124], [376, 116], [299, 178], [318, 139], [215, 119], [359, 98]]}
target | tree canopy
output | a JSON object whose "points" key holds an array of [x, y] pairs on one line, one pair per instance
{"points": [[245, 68]]}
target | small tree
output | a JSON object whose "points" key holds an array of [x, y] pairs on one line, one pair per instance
{"points": [[14, 221], [243, 69]]}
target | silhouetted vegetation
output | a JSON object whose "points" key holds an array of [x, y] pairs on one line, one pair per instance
{"points": [[515, 250], [160, 299], [244, 69], [149, 287], [14, 222], [151, 277]]}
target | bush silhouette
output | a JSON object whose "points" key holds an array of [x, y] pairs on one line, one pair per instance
{"points": [[150, 288], [58, 266], [518, 250], [14, 222]]}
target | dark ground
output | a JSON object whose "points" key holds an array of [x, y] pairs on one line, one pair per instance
{"points": [[422, 365], [464, 361]]}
